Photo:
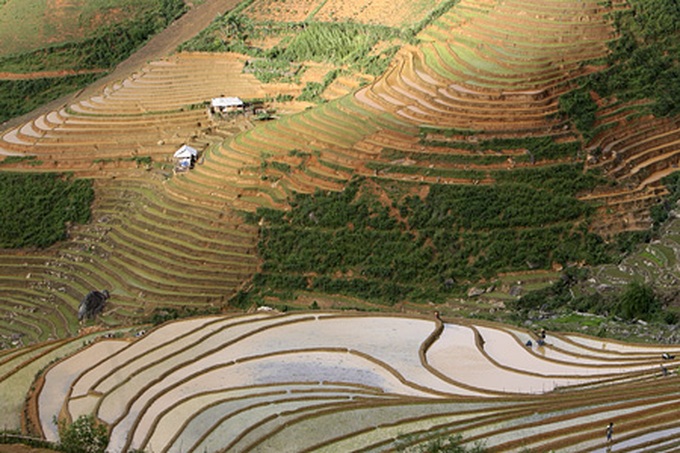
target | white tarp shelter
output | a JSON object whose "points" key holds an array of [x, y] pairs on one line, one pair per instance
{"points": [[226, 104], [186, 152], [185, 158]]}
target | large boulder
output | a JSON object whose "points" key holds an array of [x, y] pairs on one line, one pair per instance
{"points": [[92, 304]]}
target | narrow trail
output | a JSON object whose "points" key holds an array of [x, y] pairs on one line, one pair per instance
{"points": [[161, 45], [46, 74]]}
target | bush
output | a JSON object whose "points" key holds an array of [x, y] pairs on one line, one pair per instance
{"points": [[638, 301], [343, 44], [449, 444], [84, 435]]}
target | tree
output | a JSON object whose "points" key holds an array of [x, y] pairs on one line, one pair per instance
{"points": [[85, 435], [638, 301]]}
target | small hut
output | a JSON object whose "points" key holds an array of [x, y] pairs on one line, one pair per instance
{"points": [[92, 304], [226, 105], [185, 158]]}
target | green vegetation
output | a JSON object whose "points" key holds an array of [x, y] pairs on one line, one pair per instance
{"points": [[537, 148], [343, 44], [163, 315], [84, 435], [347, 45], [16, 437], [21, 96], [57, 22], [449, 444], [35, 209], [435, 14], [580, 106], [638, 301], [661, 212], [105, 48], [425, 248], [31, 160], [644, 64], [313, 90], [635, 301]]}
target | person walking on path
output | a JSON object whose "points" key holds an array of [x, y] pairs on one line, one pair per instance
{"points": [[610, 432]]}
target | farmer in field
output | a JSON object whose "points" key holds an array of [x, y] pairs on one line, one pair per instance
{"points": [[541, 338], [610, 432]]}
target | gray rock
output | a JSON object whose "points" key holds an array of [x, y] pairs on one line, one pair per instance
{"points": [[516, 291], [474, 291]]}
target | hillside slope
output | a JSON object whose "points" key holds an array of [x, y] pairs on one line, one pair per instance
{"points": [[454, 174], [470, 105]]}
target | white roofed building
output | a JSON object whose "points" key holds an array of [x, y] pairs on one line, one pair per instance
{"points": [[184, 158], [226, 104]]}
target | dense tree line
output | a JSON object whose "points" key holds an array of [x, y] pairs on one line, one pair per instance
{"points": [[35, 209]]}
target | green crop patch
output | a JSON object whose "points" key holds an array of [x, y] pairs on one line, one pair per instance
{"points": [[422, 248], [36, 208], [347, 45], [536, 148]]}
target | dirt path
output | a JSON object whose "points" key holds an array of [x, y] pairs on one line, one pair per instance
{"points": [[46, 74], [161, 45]]}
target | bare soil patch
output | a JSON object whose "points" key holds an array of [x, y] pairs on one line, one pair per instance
{"points": [[47, 74], [282, 11], [393, 13]]}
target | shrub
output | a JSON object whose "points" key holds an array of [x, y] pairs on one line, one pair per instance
{"points": [[638, 301], [21, 96], [84, 435], [449, 444]]}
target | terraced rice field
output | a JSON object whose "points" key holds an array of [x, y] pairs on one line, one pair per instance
{"points": [[637, 152], [179, 241], [150, 114], [333, 382], [146, 260], [320, 381], [655, 262], [457, 79], [19, 368]]}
